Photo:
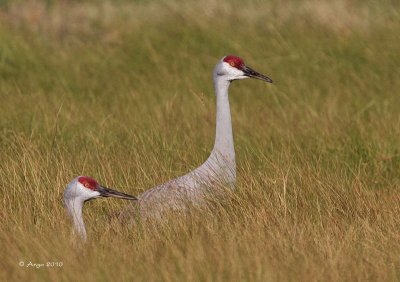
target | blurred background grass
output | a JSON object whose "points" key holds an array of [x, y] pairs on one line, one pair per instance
{"points": [[122, 91]]}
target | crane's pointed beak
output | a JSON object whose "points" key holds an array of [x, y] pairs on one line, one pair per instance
{"points": [[107, 192], [254, 74]]}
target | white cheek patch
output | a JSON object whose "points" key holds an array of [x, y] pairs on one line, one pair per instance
{"points": [[86, 193], [237, 72], [227, 69]]}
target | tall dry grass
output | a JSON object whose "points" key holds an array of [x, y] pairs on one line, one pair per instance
{"points": [[122, 91]]}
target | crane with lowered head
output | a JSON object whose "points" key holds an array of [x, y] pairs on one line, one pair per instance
{"points": [[82, 189]]}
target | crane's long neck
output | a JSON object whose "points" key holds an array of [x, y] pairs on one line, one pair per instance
{"points": [[74, 207], [223, 135], [222, 156]]}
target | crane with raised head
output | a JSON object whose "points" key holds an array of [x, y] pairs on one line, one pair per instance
{"points": [[219, 170], [82, 189]]}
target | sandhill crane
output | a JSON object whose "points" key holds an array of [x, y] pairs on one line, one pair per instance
{"points": [[82, 189], [220, 167]]}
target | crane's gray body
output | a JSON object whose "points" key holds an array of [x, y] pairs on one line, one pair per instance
{"points": [[191, 188]]}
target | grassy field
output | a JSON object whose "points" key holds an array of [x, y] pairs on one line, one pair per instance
{"points": [[122, 91]]}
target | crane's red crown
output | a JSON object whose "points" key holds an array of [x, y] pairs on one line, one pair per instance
{"points": [[88, 182], [234, 61]]}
